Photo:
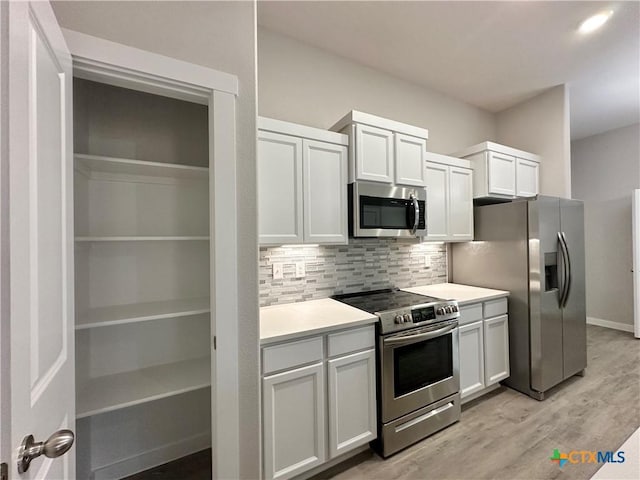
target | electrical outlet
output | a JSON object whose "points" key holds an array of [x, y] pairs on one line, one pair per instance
{"points": [[278, 270], [427, 261], [300, 270]]}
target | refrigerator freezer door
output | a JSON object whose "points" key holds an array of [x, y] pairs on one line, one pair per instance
{"points": [[546, 327], [574, 315]]}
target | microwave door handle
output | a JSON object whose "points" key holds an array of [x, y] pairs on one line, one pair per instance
{"points": [[416, 207], [409, 339]]}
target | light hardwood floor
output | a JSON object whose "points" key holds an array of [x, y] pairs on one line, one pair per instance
{"points": [[507, 435]]}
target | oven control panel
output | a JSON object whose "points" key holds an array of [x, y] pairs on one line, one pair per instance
{"points": [[405, 318]]}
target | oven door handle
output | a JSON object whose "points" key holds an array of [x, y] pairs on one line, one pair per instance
{"points": [[409, 339]]}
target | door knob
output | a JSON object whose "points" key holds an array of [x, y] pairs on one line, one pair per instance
{"points": [[57, 444]]}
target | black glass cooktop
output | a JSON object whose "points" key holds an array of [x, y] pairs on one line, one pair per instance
{"points": [[383, 300]]}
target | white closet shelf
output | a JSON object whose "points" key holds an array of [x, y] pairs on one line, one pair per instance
{"points": [[141, 312], [113, 392], [141, 238], [125, 166]]}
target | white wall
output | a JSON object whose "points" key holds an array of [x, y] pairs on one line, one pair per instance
{"points": [[540, 125], [605, 169], [5, 383], [220, 35], [304, 84]]}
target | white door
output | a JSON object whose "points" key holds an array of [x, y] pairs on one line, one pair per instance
{"points": [[437, 181], [41, 236], [374, 154], [460, 203], [502, 174], [279, 189], [293, 409], [352, 401], [527, 174], [636, 262], [325, 192], [496, 349], [471, 358], [409, 160]]}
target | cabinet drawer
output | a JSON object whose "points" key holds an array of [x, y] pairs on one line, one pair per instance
{"points": [[470, 313], [493, 308], [292, 354], [351, 340]]}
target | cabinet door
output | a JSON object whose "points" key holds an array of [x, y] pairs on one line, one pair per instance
{"points": [[293, 421], [471, 359], [409, 160], [501, 174], [374, 154], [527, 174], [437, 181], [460, 204], [352, 401], [496, 349], [325, 192], [279, 189]]}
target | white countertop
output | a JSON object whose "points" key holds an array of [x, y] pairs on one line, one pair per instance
{"points": [[462, 293], [296, 320]]}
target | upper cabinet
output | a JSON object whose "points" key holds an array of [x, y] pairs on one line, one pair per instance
{"points": [[501, 171], [302, 184], [449, 183], [383, 150]]}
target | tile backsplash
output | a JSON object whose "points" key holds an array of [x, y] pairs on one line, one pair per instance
{"points": [[364, 264]]}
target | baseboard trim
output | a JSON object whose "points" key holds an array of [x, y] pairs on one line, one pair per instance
{"points": [[152, 458], [625, 327]]}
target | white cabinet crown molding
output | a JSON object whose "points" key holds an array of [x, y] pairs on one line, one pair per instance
{"points": [[304, 131], [355, 116], [496, 147]]}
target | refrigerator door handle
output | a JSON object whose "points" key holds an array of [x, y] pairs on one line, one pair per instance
{"points": [[564, 272], [569, 271]]}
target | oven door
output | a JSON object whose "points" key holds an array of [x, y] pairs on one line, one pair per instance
{"points": [[387, 211], [418, 367]]}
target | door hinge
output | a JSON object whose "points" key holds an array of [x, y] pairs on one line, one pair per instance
{"points": [[215, 346], [4, 471]]}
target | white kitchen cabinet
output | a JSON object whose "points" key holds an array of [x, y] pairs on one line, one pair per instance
{"points": [[383, 150], [471, 359], [325, 193], [484, 347], [352, 401], [293, 413], [496, 349], [314, 386], [449, 199], [501, 174], [302, 184], [279, 188], [409, 160], [374, 160], [527, 178], [500, 171]]}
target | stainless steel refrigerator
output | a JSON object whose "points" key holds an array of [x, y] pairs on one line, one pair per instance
{"points": [[534, 249]]}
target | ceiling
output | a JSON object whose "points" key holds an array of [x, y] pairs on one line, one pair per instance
{"points": [[490, 54]]}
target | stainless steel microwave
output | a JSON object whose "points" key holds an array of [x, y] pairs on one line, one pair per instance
{"points": [[377, 210]]}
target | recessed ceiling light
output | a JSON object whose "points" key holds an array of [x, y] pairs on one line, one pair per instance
{"points": [[596, 21]]}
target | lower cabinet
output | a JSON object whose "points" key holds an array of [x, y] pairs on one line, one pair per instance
{"points": [[496, 349], [471, 359], [484, 347], [313, 387], [352, 401]]}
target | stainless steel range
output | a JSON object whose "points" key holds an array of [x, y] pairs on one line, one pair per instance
{"points": [[418, 368]]}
